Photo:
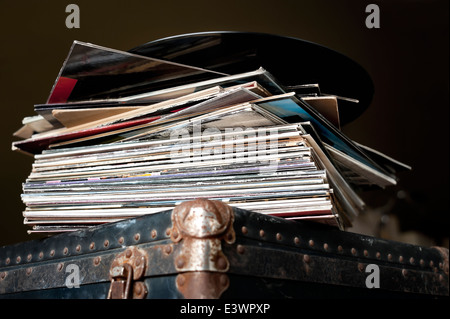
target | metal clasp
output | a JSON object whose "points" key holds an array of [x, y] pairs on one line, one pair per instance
{"points": [[126, 270], [200, 226], [120, 282]]}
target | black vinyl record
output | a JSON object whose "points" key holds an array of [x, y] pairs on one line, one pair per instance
{"points": [[290, 60]]}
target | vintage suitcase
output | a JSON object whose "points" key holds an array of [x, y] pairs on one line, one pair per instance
{"points": [[207, 249]]}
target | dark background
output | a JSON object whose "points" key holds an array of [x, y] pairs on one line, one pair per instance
{"points": [[407, 59]]}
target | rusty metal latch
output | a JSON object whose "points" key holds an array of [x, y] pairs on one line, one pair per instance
{"points": [[125, 272], [200, 226]]}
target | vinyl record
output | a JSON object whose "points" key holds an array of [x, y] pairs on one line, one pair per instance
{"points": [[290, 60]]}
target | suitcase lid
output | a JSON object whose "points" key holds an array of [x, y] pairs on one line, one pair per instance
{"points": [[204, 236]]}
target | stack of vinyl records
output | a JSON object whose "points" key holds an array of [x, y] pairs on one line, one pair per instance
{"points": [[124, 134]]}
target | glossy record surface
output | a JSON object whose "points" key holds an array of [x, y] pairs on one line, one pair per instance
{"points": [[290, 60]]}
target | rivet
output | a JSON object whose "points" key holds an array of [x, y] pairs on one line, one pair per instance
{"points": [[404, 272], [128, 253], [52, 252], [106, 243], [311, 242], [168, 230], [278, 236], [261, 233], [297, 240], [244, 230], [441, 278], [240, 249], [180, 262], [175, 234], [353, 250], [378, 254], [325, 246], [18, 259], [78, 248], [29, 271], [411, 260], [3, 275], [306, 258], [121, 240], [97, 261], [41, 255], [422, 262], [29, 257], [8, 260], [360, 267], [340, 249], [60, 266], [65, 251], [400, 259], [92, 245], [137, 236], [168, 249], [389, 256], [153, 233], [221, 263], [441, 265], [223, 280], [137, 289], [431, 263], [181, 280], [366, 253]]}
